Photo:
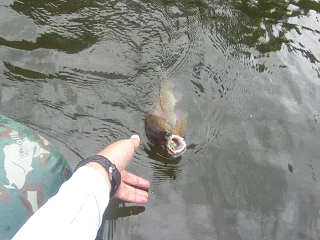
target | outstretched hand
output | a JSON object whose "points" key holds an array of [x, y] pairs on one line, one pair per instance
{"points": [[120, 153]]}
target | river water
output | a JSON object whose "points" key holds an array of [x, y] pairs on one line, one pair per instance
{"points": [[83, 73]]}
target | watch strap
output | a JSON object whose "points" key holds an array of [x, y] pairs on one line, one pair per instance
{"points": [[109, 166]]}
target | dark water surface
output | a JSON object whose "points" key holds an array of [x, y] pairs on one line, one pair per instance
{"points": [[83, 73]]}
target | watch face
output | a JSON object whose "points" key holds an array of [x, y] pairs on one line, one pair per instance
{"points": [[111, 169]]}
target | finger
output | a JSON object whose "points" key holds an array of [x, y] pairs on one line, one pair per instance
{"points": [[131, 194], [134, 180], [135, 140]]}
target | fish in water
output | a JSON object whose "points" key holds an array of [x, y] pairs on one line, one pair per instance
{"points": [[165, 125]]}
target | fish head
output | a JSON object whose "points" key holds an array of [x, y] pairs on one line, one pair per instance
{"points": [[172, 146]]}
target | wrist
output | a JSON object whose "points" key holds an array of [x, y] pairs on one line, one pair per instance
{"points": [[102, 171], [107, 169], [111, 159]]}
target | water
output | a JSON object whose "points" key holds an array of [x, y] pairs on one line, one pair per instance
{"points": [[82, 73]]}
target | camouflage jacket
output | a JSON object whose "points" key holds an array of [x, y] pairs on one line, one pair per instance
{"points": [[31, 172]]}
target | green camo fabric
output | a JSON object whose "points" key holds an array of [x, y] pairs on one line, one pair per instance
{"points": [[31, 172]]}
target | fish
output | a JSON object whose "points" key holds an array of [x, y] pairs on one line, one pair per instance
{"points": [[164, 124]]}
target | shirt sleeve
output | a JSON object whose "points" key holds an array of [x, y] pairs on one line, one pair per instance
{"points": [[75, 212]]}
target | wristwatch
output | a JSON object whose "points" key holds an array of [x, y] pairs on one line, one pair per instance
{"points": [[114, 174]]}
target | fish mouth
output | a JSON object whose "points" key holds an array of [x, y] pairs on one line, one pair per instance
{"points": [[176, 146]]}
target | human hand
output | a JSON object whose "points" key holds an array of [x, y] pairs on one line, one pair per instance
{"points": [[120, 153]]}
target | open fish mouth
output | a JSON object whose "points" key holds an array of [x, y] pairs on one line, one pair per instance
{"points": [[176, 145]]}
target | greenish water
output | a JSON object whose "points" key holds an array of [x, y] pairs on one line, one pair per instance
{"points": [[83, 73]]}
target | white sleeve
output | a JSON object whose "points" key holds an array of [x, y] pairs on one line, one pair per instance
{"points": [[75, 212]]}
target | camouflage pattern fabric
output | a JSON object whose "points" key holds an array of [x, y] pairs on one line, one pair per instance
{"points": [[31, 172]]}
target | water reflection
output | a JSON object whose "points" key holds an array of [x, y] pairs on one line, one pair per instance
{"points": [[83, 74], [73, 27], [163, 169], [116, 209]]}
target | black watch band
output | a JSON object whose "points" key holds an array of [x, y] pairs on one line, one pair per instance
{"points": [[114, 174]]}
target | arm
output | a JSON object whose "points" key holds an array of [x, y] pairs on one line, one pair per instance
{"points": [[76, 211]]}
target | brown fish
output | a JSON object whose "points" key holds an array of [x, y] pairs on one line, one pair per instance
{"points": [[164, 125]]}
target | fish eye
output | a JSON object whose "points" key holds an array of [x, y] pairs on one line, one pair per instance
{"points": [[168, 133], [161, 147]]}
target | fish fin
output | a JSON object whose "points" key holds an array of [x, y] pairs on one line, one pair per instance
{"points": [[177, 95], [181, 123], [180, 114], [171, 119], [166, 84], [181, 127]]}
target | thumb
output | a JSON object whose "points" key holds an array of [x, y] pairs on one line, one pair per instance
{"points": [[121, 152], [135, 139]]}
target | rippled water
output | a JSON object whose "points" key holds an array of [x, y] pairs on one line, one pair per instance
{"points": [[83, 73]]}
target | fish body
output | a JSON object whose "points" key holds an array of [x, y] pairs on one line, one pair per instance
{"points": [[165, 126]]}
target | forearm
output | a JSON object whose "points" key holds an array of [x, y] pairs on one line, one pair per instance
{"points": [[75, 212]]}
